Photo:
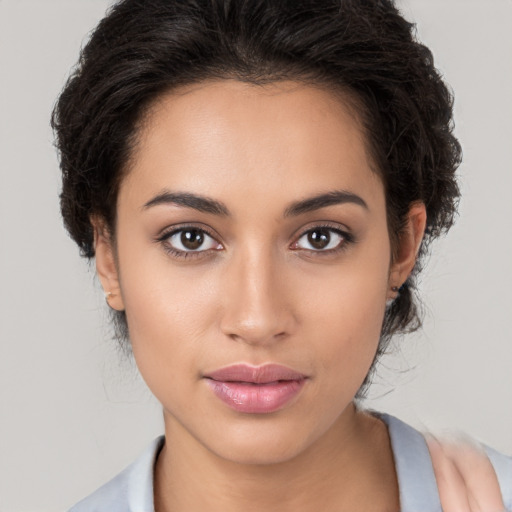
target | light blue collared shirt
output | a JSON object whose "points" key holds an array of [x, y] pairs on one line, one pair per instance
{"points": [[132, 489]]}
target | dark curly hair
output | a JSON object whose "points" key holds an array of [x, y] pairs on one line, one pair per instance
{"points": [[363, 48]]}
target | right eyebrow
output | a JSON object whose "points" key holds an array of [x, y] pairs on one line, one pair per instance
{"points": [[194, 201]]}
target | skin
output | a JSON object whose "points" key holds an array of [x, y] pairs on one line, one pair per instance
{"points": [[257, 292], [465, 477]]}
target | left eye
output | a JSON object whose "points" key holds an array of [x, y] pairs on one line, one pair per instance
{"points": [[191, 240], [320, 239]]}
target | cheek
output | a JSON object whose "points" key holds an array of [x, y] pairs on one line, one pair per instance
{"points": [[169, 310], [346, 311], [350, 323]]}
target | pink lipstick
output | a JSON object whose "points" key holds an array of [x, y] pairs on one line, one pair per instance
{"points": [[255, 390]]}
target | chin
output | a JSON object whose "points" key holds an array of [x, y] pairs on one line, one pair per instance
{"points": [[273, 451], [261, 441]]}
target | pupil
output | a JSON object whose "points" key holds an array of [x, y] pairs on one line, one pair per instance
{"points": [[319, 238], [192, 239]]}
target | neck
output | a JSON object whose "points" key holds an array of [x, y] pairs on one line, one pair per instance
{"points": [[349, 468]]}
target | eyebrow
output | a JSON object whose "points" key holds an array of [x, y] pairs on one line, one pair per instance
{"points": [[323, 201], [207, 205], [196, 202]]}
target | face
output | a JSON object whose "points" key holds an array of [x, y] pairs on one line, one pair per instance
{"points": [[253, 261]]}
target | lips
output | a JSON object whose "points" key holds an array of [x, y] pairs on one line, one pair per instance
{"points": [[255, 390]]}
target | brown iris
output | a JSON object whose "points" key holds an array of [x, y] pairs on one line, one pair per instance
{"points": [[319, 238], [192, 239]]}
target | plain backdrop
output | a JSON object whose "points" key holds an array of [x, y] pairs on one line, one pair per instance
{"points": [[73, 414]]}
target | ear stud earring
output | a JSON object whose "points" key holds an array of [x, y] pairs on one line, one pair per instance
{"points": [[107, 297], [390, 300]]}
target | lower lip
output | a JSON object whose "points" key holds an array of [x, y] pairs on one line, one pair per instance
{"points": [[256, 398]]}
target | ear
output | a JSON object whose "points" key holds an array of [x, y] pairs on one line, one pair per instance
{"points": [[409, 242], [106, 265]]}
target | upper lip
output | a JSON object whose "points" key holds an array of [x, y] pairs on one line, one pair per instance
{"points": [[255, 374]]}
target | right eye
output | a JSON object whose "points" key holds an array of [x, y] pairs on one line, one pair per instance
{"points": [[183, 241]]}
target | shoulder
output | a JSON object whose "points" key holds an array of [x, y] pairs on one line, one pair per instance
{"points": [[130, 491], [413, 465], [415, 471]]}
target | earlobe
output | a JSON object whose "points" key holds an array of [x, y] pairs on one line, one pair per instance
{"points": [[106, 265], [408, 247]]}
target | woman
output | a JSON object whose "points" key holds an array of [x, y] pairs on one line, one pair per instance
{"points": [[258, 182]]}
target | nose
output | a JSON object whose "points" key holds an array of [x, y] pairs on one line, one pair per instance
{"points": [[256, 310]]}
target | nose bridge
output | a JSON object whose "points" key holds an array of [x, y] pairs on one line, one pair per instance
{"points": [[255, 310]]}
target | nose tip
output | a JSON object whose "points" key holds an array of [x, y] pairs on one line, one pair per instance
{"points": [[256, 325], [256, 310]]}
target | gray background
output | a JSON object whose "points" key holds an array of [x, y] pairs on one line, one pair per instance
{"points": [[72, 414]]}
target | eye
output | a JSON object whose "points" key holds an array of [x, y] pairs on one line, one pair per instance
{"points": [[188, 240], [322, 239]]}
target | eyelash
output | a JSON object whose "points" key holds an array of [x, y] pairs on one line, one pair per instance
{"points": [[347, 240], [163, 239]]}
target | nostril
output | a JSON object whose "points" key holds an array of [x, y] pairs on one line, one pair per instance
{"points": [[260, 335]]}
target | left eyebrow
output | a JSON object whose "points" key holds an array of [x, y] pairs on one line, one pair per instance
{"points": [[323, 201]]}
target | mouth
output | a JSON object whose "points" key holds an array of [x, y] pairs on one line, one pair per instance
{"points": [[255, 390]]}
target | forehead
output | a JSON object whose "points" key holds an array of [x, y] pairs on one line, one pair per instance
{"points": [[230, 139]]}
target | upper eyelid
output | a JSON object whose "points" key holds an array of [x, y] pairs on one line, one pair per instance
{"points": [[166, 234], [333, 226], [347, 238], [172, 230]]}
